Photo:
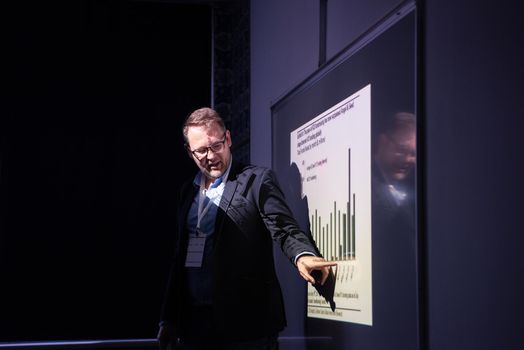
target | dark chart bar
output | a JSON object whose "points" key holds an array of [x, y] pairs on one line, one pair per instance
{"points": [[353, 245], [336, 239]]}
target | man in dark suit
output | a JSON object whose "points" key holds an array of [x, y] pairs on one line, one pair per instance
{"points": [[394, 229], [394, 160], [223, 291]]}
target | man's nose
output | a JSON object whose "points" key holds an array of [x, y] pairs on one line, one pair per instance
{"points": [[210, 154]]}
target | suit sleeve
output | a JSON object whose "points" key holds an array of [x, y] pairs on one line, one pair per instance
{"points": [[279, 220]]}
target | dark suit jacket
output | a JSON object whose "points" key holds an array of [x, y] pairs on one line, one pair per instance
{"points": [[394, 263], [247, 300]]}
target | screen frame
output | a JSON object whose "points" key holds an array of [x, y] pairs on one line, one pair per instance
{"points": [[307, 85]]}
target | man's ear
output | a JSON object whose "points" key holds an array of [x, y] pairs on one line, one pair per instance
{"points": [[228, 138]]}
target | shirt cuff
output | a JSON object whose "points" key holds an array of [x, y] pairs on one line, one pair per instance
{"points": [[303, 253]]}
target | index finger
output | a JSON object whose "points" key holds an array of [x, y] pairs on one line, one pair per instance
{"points": [[323, 263]]}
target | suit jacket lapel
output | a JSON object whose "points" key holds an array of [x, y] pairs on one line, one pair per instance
{"points": [[227, 196]]}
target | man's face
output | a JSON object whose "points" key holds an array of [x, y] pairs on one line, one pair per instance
{"points": [[202, 141], [397, 154]]}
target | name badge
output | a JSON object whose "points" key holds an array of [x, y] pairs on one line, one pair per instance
{"points": [[195, 250]]}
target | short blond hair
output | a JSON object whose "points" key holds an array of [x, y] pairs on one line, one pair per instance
{"points": [[203, 117]]}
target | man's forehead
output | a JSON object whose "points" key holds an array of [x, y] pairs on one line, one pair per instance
{"points": [[206, 128], [203, 129], [203, 135], [404, 135]]}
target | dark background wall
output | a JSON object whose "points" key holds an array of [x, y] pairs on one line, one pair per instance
{"points": [[473, 121], [91, 154], [469, 153], [231, 71]]}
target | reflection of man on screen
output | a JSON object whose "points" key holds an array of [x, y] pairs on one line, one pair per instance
{"points": [[394, 230], [395, 157]]}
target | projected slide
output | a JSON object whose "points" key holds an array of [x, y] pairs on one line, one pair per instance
{"points": [[333, 154]]}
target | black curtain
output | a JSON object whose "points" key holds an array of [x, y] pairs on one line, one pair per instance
{"points": [[91, 154]]}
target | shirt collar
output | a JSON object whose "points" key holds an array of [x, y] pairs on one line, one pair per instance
{"points": [[218, 181]]}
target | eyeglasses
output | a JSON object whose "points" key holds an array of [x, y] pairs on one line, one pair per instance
{"points": [[401, 149], [201, 152]]}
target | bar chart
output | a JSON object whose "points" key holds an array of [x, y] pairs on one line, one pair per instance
{"points": [[333, 155], [335, 237]]}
